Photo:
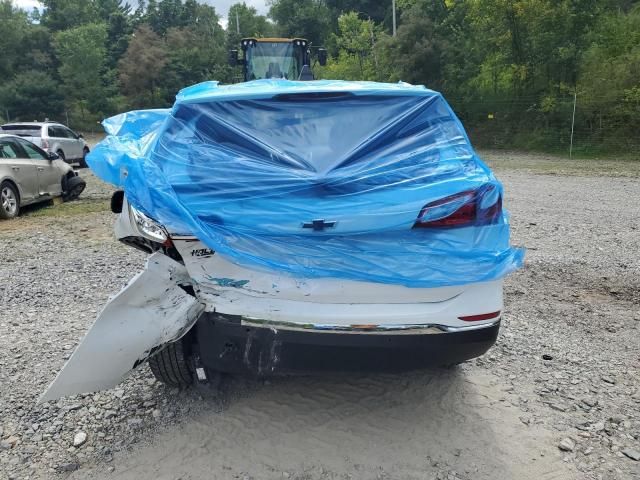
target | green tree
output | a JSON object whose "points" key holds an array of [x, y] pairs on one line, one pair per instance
{"points": [[194, 55], [31, 95], [246, 19], [81, 54], [609, 78], [15, 31], [140, 68], [63, 14], [357, 57], [310, 19], [418, 53]]}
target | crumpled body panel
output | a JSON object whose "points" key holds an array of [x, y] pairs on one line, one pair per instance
{"points": [[150, 312], [316, 179]]}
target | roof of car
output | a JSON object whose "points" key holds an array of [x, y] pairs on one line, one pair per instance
{"points": [[32, 123]]}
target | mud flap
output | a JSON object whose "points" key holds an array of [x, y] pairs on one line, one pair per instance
{"points": [[150, 311]]}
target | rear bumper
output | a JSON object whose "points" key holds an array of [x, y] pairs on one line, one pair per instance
{"points": [[229, 343]]}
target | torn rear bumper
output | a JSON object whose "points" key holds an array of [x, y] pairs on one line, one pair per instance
{"points": [[151, 311], [233, 344]]}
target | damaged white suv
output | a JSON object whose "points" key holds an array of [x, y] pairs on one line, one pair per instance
{"points": [[297, 227]]}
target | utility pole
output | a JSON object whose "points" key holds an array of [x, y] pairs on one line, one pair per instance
{"points": [[573, 121], [393, 6]]}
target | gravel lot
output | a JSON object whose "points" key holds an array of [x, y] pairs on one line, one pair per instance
{"points": [[558, 396]]}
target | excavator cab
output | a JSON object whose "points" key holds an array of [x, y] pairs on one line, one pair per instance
{"points": [[277, 58]]}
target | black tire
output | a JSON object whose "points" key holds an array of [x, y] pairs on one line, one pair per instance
{"points": [[9, 200], [60, 153], [171, 365], [83, 161], [73, 188]]}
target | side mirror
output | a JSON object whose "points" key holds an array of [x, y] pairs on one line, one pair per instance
{"points": [[80, 136], [53, 156], [233, 57], [322, 56]]}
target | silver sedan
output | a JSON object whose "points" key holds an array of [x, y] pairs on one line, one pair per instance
{"points": [[30, 175]]}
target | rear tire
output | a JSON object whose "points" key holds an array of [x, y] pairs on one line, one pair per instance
{"points": [[9, 201], [83, 161], [60, 154], [171, 365]]}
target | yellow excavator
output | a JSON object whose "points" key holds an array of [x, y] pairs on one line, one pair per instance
{"points": [[277, 58]]}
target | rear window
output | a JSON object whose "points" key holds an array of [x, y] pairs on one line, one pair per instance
{"points": [[57, 132], [23, 130]]}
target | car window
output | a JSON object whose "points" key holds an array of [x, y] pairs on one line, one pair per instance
{"points": [[69, 133], [32, 151], [8, 149], [56, 132], [22, 130]]}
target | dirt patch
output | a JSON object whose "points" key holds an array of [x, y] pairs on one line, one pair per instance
{"points": [[460, 424]]}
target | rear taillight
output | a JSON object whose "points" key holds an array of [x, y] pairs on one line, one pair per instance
{"points": [[44, 144], [472, 207]]}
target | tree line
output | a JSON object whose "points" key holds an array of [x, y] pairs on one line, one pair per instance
{"points": [[511, 69]]}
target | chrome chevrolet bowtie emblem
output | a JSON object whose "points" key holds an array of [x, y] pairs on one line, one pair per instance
{"points": [[319, 225]]}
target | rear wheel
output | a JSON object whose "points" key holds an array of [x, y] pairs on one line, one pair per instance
{"points": [[9, 201], [60, 153], [171, 365], [83, 161]]}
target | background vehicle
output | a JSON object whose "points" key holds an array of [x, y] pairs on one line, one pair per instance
{"points": [[288, 58], [29, 175], [52, 137]]}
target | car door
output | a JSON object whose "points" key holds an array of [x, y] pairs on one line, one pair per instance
{"points": [[75, 143], [15, 166], [48, 176], [59, 141]]}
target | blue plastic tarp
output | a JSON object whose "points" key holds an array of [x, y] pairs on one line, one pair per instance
{"points": [[356, 180]]}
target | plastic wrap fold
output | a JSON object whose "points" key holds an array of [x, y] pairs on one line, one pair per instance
{"points": [[357, 180]]}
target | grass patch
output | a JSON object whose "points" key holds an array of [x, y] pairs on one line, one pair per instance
{"points": [[561, 165], [77, 207]]}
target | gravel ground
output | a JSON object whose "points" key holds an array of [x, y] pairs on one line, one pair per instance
{"points": [[557, 397]]}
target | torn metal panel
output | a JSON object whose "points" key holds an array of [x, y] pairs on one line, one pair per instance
{"points": [[150, 311]]}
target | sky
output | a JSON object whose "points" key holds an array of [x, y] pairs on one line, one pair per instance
{"points": [[222, 6]]}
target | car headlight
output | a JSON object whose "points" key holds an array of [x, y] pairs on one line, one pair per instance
{"points": [[148, 226]]}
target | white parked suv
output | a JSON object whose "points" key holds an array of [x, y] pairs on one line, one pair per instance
{"points": [[52, 137]]}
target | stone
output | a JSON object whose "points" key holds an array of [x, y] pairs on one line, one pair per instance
{"points": [[9, 443], [79, 439], [567, 445], [617, 419], [68, 467], [632, 454], [559, 407]]}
